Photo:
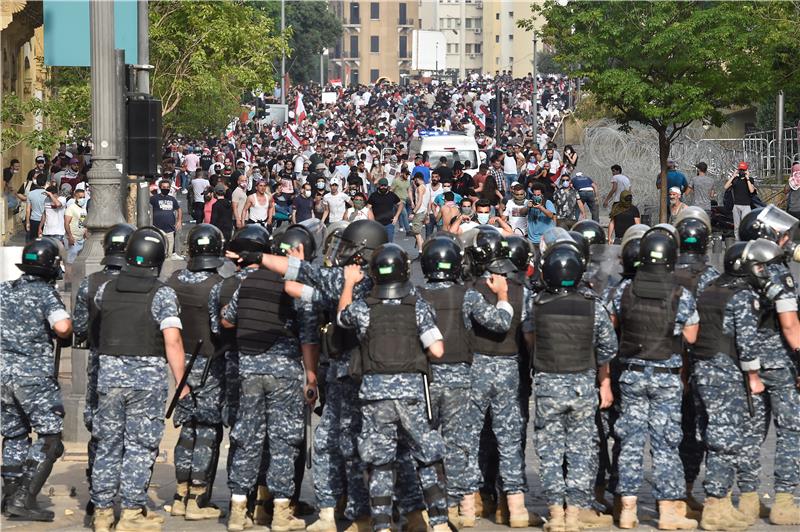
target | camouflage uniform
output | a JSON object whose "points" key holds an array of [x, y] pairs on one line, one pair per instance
{"points": [[200, 417], [31, 396], [651, 405], [129, 421], [564, 421], [271, 384], [392, 405], [777, 371], [718, 382]]}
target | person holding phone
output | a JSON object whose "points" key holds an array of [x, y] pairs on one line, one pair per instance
{"points": [[743, 188]]}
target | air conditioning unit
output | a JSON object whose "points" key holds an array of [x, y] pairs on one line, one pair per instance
{"points": [[458, 22], [477, 31], [479, 5], [473, 56]]}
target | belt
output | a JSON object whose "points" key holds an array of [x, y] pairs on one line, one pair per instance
{"points": [[641, 369], [586, 189]]}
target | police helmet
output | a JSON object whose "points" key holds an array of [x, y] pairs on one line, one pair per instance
{"points": [[488, 250], [389, 268], [553, 236], [733, 261], [519, 252], [770, 222], [562, 268], [582, 244], [206, 246], [147, 248], [670, 230], [757, 255], [658, 247], [358, 242], [441, 259], [591, 231], [41, 257], [693, 212], [634, 232], [333, 234], [630, 257], [251, 237], [693, 234], [293, 236], [114, 243]]}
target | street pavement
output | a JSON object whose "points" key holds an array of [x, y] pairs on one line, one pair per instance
{"points": [[66, 491]]}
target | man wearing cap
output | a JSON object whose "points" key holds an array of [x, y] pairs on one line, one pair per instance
{"points": [[702, 187], [742, 189], [386, 207], [336, 200], [36, 170], [675, 178], [675, 204], [68, 175]]}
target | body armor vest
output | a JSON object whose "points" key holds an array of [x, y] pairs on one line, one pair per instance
{"points": [[391, 344], [564, 327], [263, 311], [193, 298], [448, 302], [336, 340], [649, 306], [487, 342], [227, 337], [95, 281], [127, 326], [711, 306], [687, 273]]}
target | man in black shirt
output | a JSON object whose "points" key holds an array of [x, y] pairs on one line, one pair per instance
{"points": [[386, 207], [743, 189]]}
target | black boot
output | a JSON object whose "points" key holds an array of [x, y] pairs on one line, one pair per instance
{"points": [[23, 504], [10, 486]]}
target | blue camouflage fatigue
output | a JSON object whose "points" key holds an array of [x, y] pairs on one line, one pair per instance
{"points": [[31, 396], [564, 422], [491, 378], [393, 410], [271, 384], [199, 416], [327, 464], [778, 374], [754, 432], [651, 406], [129, 421]]}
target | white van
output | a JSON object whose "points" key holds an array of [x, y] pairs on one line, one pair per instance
{"points": [[455, 146]]}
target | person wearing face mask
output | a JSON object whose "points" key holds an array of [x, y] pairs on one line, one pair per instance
{"points": [[74, 218], [167, 215], [360, 209], [320, 209], [516, 211], [386, 207], [302, 205], [568, 204]]}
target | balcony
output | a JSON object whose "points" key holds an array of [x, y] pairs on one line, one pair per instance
{"points": [[355, 21], [405, 22]]}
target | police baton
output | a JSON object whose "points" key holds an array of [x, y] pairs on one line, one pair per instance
{"points": [[307, 421], [182, 384], [748, 395], [427, 393]]}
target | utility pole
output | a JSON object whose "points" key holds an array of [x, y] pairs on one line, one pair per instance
{"points": [[143, 86], [283, 54], [535, 96], [436, 61], [779, 147]]}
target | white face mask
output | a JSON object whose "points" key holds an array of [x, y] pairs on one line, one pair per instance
{"points": [[81, 202], [483, 217], [307, 193], [243, 186], [320, 186], [447, 189]]}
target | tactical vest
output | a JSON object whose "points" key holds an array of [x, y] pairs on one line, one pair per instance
{"points": [[649, 307], [448, 302], [336, 341], [564, 327], [391, 344], [193, 298], [488, 342], [95, 281], [127, 326], [263, 310], [711, 306], [768, 317], [227, 337], [687, 273]]}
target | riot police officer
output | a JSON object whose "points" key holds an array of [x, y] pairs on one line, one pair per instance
{"points": [[653, 312], [396, 328], [199, 416], [727, 344], [779, 356], [140, 326], [441, 260], [602, 269], [87, 324], [32, 317], [573, 338]]}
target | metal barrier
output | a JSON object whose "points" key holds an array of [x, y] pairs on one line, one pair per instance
{"points": [[761, 150]]}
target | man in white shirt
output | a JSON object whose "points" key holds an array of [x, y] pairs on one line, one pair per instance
{"points": [[200, 184], [619, 183], [192, 161], [52, 224], [336, 201]]}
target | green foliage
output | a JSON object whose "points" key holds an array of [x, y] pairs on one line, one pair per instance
{"points": [[314, 28], [206, 54], [546, 64]]}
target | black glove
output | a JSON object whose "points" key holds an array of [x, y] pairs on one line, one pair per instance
{"points": [[250, 257], [184, 410]]}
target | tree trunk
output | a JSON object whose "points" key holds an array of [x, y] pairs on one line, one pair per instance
{"points": [[663, 157]]}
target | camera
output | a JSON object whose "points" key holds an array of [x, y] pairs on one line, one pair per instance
{"points": [[537, 200], [742, 174]]}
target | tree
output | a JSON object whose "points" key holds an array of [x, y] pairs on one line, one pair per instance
{"points": [[206, 55], [546, 64], [314, 28], [663, 64]]}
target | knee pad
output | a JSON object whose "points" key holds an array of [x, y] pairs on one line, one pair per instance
{"points": [[52, 446]]}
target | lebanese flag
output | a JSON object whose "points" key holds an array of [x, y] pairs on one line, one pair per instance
{"points": [[478, 115], [291, 135], [299, 108]]}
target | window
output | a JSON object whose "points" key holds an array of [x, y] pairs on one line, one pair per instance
{"points": [[496, 60], [452, 48], [403, 14], [441, 22], [374, 74], [403, 46], [478, 22], [449, 22], [354, 46], [354, 13], [374, 44], [510, 62], [354, 77], [478, 47], [374, 10], [496, 38], [468, 23], [496, 16], [468, 47], [511, 14], [511, 37]]}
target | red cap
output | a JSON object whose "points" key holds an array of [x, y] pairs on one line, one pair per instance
{"points": [[743, 166]]}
